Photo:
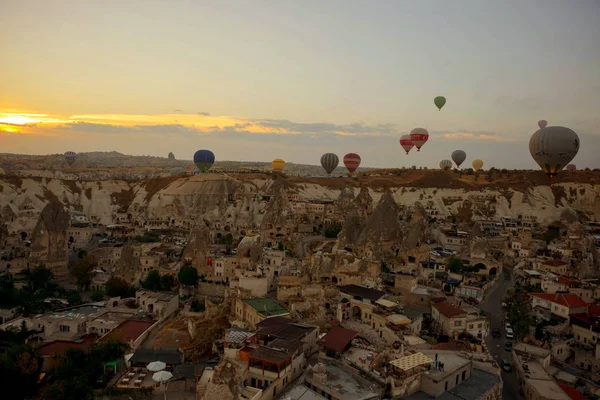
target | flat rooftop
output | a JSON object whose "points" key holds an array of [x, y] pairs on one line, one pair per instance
{"points": [[74, 313], [471, 389], [350, 386], [452, 363]]}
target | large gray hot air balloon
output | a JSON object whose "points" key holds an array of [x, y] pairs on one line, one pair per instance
{"points": [[459, 156], [329, 161], [553, 148], [445, 164], [571, 167]]}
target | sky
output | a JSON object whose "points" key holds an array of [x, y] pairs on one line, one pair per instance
{"points": [[258, 80]]}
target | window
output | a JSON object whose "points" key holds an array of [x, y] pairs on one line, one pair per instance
{"points": [[479, 326], [464, 374], [457, 323], [446, 386]]}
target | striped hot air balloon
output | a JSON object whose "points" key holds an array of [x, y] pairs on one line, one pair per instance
{"points": [[70, 156], [406, 143], [351, 162], [419, 136], [445, 164], [553, 148], [278, 165], [329, 162]]}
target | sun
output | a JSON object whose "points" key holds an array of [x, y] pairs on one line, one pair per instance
{"points": [[17, 120]]}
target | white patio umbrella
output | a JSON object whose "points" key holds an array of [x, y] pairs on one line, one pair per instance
{"points": [[155, 366], [162, 376]]}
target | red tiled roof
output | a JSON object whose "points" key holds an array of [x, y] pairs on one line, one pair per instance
{"points": [[338, 338], [593, 309], [59, 347], [566, 280], [448, 309], [129, 330], [574, 394], [563, 299], [555, 263]]}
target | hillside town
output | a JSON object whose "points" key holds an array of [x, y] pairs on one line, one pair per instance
{"points": [[259, 287]]}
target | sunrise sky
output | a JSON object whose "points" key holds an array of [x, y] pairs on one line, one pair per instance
{"points": [[257, 80]]}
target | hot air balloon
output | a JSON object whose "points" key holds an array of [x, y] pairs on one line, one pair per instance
{"points": [[196, 171], [445, 164], [477, 164], [406, 143], [459, 156], [439, 102], [571, 167], [278, 165], [351, 162], [542, 123], [2, 172], [553, 148], [419, 136], [177, 171], [204, 159], [329, 161], [70, 157]]}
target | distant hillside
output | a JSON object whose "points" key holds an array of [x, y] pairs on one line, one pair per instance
{"points": [[115, 160]]}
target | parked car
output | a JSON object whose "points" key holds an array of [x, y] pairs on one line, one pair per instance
{"points": [[506, 366], [509, 334], [508, 345], [507, 326], [496, 333]]}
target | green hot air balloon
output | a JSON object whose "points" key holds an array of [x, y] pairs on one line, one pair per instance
{"points": [[439, 102]]}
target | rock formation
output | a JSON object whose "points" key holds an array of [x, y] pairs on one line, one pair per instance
{"points": [[49, 242]]}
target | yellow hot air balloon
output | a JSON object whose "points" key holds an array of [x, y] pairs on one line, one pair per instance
{"points": [[278, 165], [477, 164]]}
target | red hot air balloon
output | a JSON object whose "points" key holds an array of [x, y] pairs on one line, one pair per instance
{"points": [[352, 162], [406, 143], [419, 136]]}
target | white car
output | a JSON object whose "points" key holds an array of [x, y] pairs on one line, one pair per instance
{"points": [[507, 326], [509, 334]]}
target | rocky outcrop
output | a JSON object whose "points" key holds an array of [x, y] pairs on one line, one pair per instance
{"points": [[279, 212], [196, 251], [383, 226], [49, 242], [234, 202]]}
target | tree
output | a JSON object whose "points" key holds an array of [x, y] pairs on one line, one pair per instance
{"points": [[188, 275], [152, 281], [552, 233], [39, 277], [97, 295], [73, 297], [455, 265], [518, 314], [82, 271], [167, 282], [117, 287]]}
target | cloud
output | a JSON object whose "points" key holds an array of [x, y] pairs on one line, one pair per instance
{"points": [[323, 127], [93, 128], [204, 114]]}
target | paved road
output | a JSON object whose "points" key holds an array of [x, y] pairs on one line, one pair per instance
{"points": [[492, 304]]}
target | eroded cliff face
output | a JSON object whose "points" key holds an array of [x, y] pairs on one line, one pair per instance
{"points": [[212, 197]]}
